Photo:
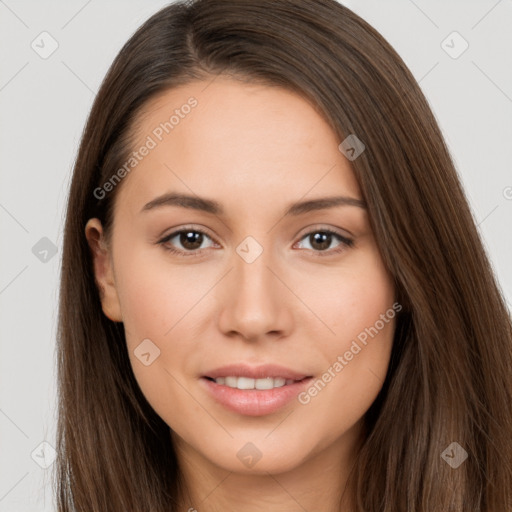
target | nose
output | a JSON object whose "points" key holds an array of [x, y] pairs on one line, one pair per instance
{"points": [[255, 304]]}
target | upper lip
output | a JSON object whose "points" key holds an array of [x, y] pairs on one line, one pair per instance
{"points": [[255, 372]]}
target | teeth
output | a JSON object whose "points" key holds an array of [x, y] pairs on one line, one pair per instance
{"points": [[247, 383]]}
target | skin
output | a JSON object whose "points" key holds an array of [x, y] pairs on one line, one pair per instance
{"points": [[255, 149]]}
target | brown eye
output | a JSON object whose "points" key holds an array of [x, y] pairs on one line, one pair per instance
{"points": [[187, 242], [322, 240]]}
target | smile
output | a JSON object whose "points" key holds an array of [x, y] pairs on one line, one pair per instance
{"points": [[249, 383]]}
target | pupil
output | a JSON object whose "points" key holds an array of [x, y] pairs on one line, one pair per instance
{"points": [[322, 239], [191, 239]]}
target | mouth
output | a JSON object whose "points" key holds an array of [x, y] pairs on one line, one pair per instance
{"points": [[249, 396], [253, 390]]}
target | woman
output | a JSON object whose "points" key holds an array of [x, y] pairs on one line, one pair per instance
{"points": [[273, 293]]}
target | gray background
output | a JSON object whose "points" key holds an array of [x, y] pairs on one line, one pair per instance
{"points": [[44, 104]]}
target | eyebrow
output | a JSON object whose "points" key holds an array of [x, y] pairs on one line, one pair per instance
{"points": [[213, 207]]}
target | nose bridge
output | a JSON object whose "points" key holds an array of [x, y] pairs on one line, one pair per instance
{"points": [[255, 286], [255, 305]]}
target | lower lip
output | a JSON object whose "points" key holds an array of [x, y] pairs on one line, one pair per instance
{"points": [[254, 402]]}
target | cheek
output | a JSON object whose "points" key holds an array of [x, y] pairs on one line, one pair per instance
{"points": [[156, 296], [357, 305], [349, 299], [157, 303], [168, 305]]}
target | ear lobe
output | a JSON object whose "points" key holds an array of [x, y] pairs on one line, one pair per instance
{"points": [[103, 270]]}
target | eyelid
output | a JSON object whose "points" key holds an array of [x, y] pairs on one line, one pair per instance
{"points": [[186, 227], [344, 233]]}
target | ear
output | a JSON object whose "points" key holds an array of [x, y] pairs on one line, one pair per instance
{"points": [[103, 270]]}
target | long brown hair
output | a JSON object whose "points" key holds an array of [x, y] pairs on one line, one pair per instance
{"points": [[449, 379]]}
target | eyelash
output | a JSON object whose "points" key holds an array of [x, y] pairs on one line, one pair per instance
{"points": [[345, 242]]}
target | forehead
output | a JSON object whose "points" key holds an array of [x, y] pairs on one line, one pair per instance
{"points": [[231, 139]]}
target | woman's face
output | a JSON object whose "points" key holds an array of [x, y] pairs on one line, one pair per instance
{"points": [[268, 275]]}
